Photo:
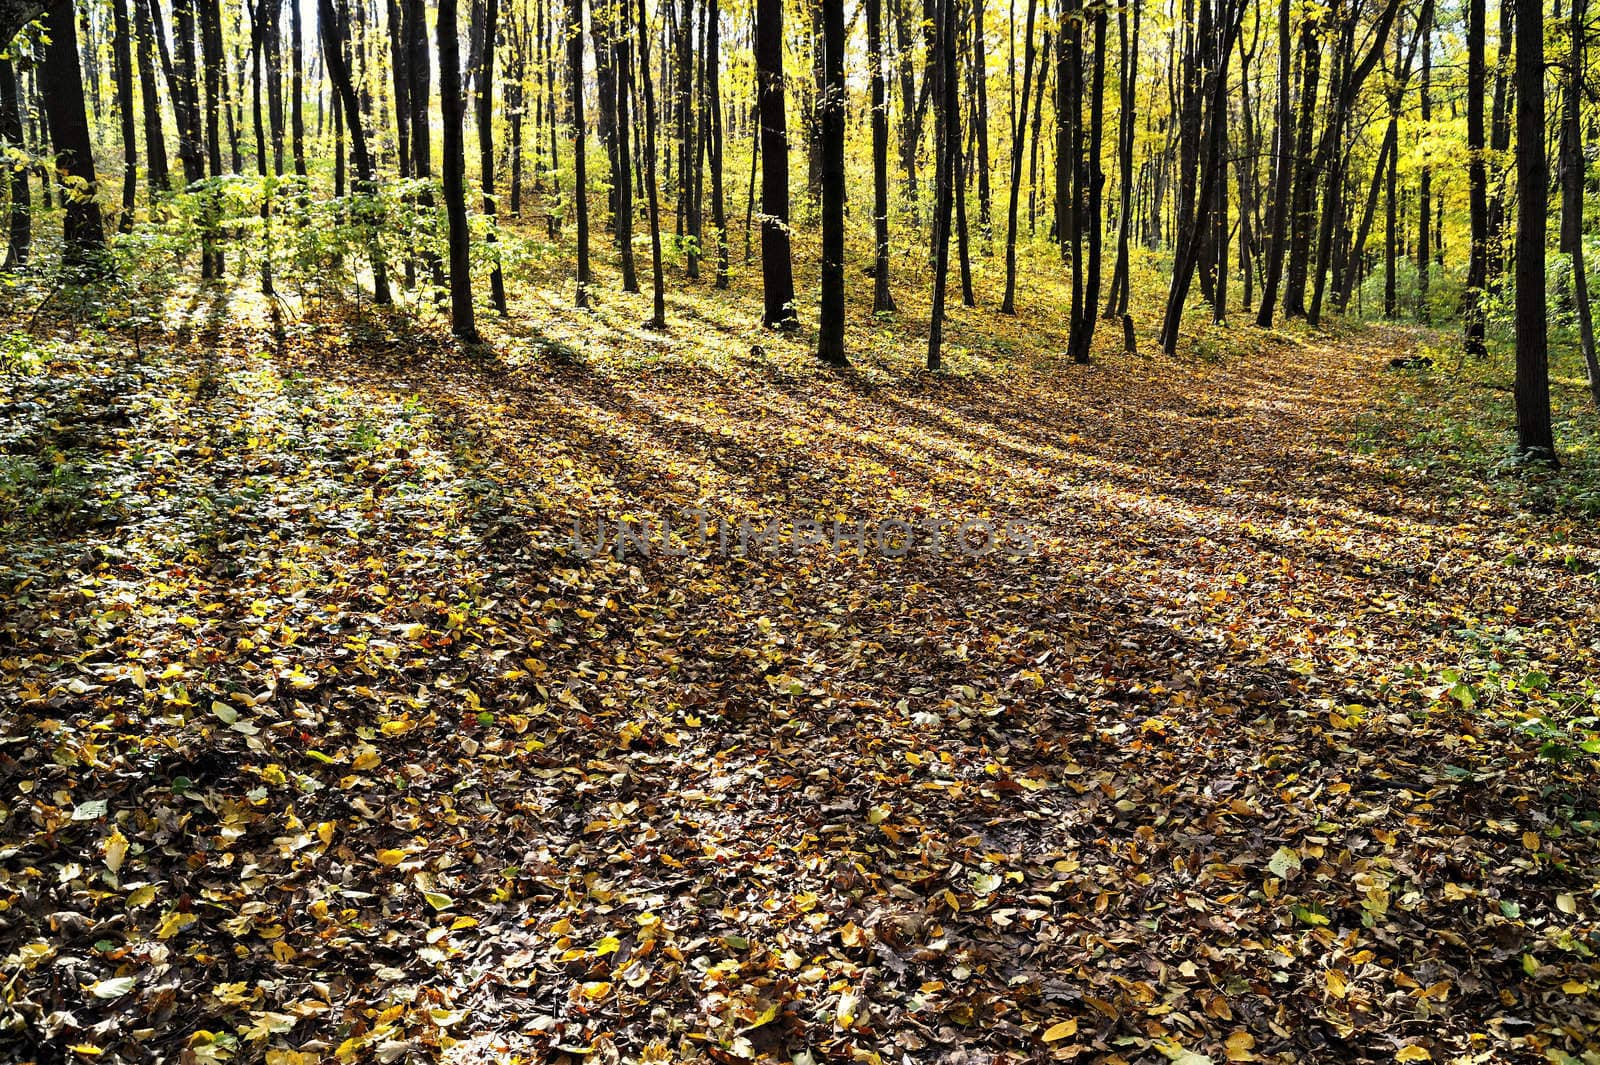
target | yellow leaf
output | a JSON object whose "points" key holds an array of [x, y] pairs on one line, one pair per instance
{"points": [[116, 849], [1413, 1053], [608, 945], [1575, 987], [1566, 903], [595, 990], [1061, 1030], [391, 857], [1338, 986], [1531, 841]]}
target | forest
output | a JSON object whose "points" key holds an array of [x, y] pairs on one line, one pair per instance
{"points": [[799, 531]]}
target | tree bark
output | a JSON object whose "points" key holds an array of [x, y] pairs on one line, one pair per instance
{"points": [[1008, 304], [944, 88], [1535, 436], [61, 83], [462, 321], [485, 105], [777, 272], [830, 327], [1282, 174], [577, 133], [19, 230], [658, 292]]}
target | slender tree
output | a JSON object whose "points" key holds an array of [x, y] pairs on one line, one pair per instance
{"points": [[713, 84], [882, 300], [462, 322], [1425, 177], [330, 28], [945, 89], [485, 105], [622, 39], [157, 177], [1535, 436], [830, 325], [575, 129], [61, 84], [658, 289], [1008, 304], [1572, 167], [19, 230], [1477, 182], [777, 271]]}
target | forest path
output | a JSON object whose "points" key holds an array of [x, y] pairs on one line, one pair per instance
{"points": [[1269, 749]]}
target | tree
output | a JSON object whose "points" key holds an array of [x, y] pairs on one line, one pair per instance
{"points": [[943, 79], [1477, 182], [830, 327], [623, 61], [1535, 437], [658, 291], [1008, 303], [462, 322], [1282, 174], [122, 74], [1128, 53], [1572, 167], [62, 87], [713, 84], [1425, 178], [882, 299], [485, 101], [579, 154], [155, 144], [19, 229], [330, 30], [777, 272]]}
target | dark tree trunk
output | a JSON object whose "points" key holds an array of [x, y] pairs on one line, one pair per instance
{"points": [[451, 104], [1500, 148], [1303, 196], [945, 90], [485, 104], [882, 300], [658, 291], [1572, 192], [1282, 176], [1425, 179], [830, 319], [688, 138], [297, 120], [185, 91], [211, 61], [61, 84], [122, 72], [1008, 305], [579, 149], [331, 29], [910, 121], [155, 142], [19, 230], [713, 61], [1477, 182], [621, 178], [1128, 52], [399, 62], [1535, 437], [980, 121], [777, 272], [1093, 221]]}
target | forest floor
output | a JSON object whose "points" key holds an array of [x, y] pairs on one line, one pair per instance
{"points": [[320, 740]]}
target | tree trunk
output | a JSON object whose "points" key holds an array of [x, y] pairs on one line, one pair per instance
{"points": [[980, 121], [485, 104], [579, 148], [331, 29], [882, 299], [1535, 437], [621, 178], [658, 292], [61, 84], [155, 145], [122, 73], [1008, 305], [1572, 193], [1282, 172], [451, 104], [830, 318], [713, 61], [1425, 178], [1128, 52], [777, 272], [1302, 199], [944, 88], [185, 91], [19, 231]]}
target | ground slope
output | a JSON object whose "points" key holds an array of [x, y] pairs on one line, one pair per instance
{"points": [[322, 739]]}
